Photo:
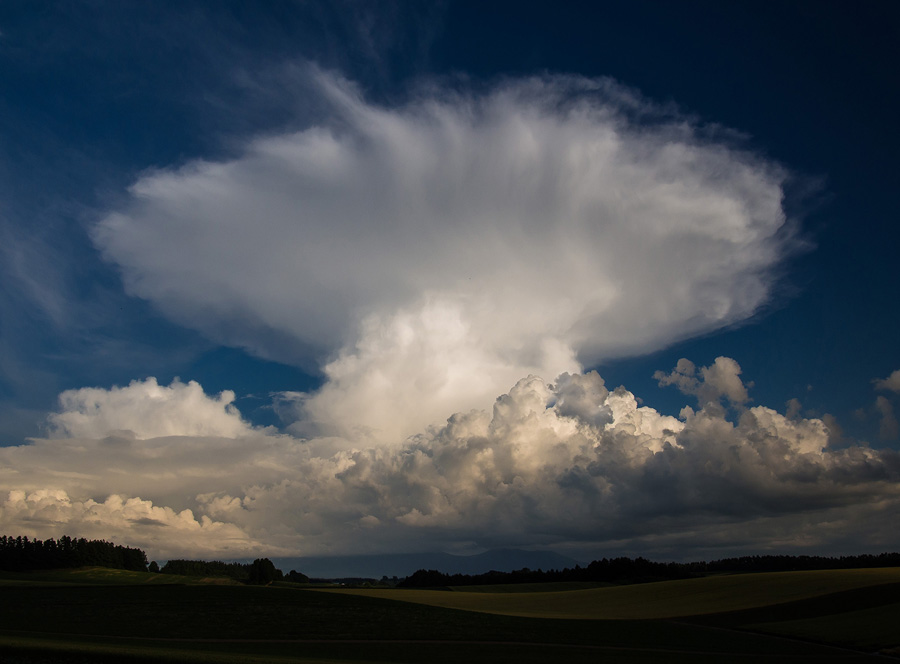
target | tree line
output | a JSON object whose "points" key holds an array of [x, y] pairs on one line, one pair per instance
{"points": [[641, 570], [261, 571], [21, 554]]}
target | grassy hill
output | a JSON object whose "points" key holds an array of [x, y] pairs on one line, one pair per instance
{"points": [[104, 576], [96, 615], [664, 599]]}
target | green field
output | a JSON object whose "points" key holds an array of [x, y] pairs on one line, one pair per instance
{"points": [[98, 615], [103, 576], [664, 599], [549, 587]]}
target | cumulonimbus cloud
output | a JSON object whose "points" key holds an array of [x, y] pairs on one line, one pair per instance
{"points": [[428, 255], [431, 256], [567, 463]]}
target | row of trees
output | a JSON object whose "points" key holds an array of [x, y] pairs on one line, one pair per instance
{"points": [[24, 554], [640, 570], [790, 563], [615, 570], [235, 571], [21, 554], [261, 571]]}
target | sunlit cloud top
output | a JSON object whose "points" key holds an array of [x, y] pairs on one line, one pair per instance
{"points": [[430, 254]]}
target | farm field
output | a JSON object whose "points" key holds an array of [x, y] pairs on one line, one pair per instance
{"points": [[663, 599], [92, 616]]}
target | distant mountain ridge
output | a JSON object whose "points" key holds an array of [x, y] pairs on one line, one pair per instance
{"points": [[404, 564]]}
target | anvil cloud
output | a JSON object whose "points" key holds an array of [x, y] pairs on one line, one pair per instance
{"points": [[451, 264], [429, 255]]}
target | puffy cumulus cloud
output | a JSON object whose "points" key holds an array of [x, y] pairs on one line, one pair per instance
{"points": [[164, 444], [710, 384], [405, 370], [534, 470], [564, 464], [891, 383], [146, 410], [431, 253], [167, 533]]}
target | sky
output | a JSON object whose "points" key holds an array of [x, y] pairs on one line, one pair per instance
{"points": [[340, 278]]}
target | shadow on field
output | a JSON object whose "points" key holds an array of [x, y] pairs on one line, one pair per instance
{"points": [[197, 623]]}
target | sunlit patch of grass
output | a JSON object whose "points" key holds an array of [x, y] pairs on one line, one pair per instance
{"points": [[664, 599], [121, 622], [531, 587]]}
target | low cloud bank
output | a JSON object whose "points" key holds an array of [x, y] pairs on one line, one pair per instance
{"points": [[565, 464]]}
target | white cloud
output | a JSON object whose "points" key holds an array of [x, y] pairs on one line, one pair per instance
{"points": [[405, 370], [567, 463], [168, 534], [891, 383], [147, 410], [430, 254]]}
